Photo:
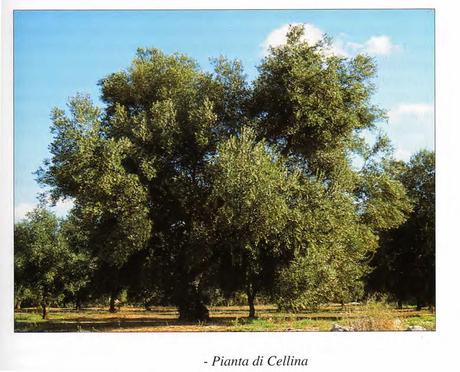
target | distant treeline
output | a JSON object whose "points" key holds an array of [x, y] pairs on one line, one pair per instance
{"points": [[189, 185]]}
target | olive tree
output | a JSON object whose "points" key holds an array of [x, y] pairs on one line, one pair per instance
{"points": [[190, 177], [40, 257]]}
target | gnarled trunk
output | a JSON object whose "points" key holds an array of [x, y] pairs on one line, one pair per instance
{"points": [[191, 305]]}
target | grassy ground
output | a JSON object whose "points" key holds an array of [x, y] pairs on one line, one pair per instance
{"points": [[374, 317]]}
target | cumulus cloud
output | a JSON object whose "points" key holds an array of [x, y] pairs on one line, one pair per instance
{"points": [[375, 45], [22, 209], [61, 209], [380, 45], [312, 35], [402, 154], [418, 111], [278, 36], [411, 125]]}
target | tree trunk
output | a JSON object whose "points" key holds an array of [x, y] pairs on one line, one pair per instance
{"points": [[114, 288], [400, 304], [18, 305], [113, 297], [251, 296], [44, 310], [78, 302], [252, 309], [44, 304], [195, 311], [191, 306]]}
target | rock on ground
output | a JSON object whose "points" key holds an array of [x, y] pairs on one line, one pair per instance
{"points": [[415, 328], [339, 328]]}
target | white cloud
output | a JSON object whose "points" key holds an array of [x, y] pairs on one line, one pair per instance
{"points": [[375, 45], [418, 111], [339, 48], [61, 209], [312, 35], [411, 126], [22, 209], [380, 45], [402, 154], [278, 36]]}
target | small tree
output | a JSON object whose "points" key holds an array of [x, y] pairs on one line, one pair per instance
{"points": [[40, 257]]}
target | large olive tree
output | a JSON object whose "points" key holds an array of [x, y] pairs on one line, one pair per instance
{"points": [[188, 177]]}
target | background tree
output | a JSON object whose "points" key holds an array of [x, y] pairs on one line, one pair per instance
{"points": [[80, 265], [41, 260], [405, 261]]}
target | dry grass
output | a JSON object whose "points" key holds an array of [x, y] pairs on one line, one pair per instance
{"points": [[374, 316]]}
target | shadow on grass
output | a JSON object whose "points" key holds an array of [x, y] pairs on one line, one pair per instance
{"points": [[94, 325], [107, 324]]}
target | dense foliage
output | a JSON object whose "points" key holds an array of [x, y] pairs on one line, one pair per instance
{"points": [[48, 269], [405, 261], [188, 183]]}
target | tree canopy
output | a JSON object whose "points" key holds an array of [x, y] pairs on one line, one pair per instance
{"points": [[46, 266], [188, 180]]}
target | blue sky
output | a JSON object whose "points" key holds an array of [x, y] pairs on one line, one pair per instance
{"points": [[60, 53]]}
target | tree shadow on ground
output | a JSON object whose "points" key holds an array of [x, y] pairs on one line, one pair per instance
{"points": [[108, 324]]}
